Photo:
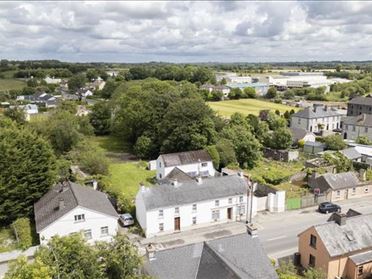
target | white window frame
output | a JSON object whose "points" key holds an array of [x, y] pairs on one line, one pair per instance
{"points": [[161, 227], [161, 213], [105, 231], [87, 234], [229, 201], [241, 199], [194, 220], [194, 208], [176, 210], [79, 218], [216, 215], [217, 203]]}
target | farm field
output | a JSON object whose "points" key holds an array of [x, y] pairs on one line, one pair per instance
{"points": [[247, 106], [9, 84]]}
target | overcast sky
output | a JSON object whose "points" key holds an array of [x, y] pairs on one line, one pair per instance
{"points": [[186, 31]]}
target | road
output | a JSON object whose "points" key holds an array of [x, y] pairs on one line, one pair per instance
{"points": [[278, 231]]}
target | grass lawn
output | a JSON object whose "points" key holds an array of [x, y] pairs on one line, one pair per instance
{"points": [[246, 106], [126, 177], [110, 143], [9, 84]]}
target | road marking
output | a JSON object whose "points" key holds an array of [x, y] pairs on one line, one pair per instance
{"points": [[276, 238]]}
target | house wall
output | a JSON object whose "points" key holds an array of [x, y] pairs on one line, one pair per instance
{"points": [[93, 221], [354, 110], [203, 215], [351, 132], [141, 211], [330, 123], [351, 193]]}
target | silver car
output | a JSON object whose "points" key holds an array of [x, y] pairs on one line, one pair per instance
{"points": [[126, 219]]}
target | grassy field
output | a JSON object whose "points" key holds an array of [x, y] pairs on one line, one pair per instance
{"points": [[9, 84], [126, 177], [246, 106]]}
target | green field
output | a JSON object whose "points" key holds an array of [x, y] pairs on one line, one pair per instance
{"points": [[246, 106], [9, 84]]}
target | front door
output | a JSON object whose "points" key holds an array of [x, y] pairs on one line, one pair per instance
{"points": [[177, 223], [229, 213]]}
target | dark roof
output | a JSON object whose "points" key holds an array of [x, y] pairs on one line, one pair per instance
{"points": [[47, 208], [177, 174], [317, 112], [238, 256], [364, 120], [355, 235], [164, 195], [336, 181], [361, 100], [351, 153], [298, 133], [185, 158]]}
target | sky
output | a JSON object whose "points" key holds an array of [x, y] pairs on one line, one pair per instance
{"points": [[186, 31]]}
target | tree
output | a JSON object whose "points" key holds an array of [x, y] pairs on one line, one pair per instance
{"points": [[250, 92], [216, 95], [109, 89], [340, 161], [281, 138], [235, 93], [334, 142], [287, 270], [17, 114], [27, 171], [363, 140], [143, 147], [275, 121], [100, 118], [226, 152], [271, 93], [76, 82], [314, 273], [212, 151], [22, 269]]}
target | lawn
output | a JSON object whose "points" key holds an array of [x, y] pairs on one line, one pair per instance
{"points": [[110, 143], [9, 84], [126, 177], [247, 106]]}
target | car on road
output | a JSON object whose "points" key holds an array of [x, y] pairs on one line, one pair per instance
{"points": [[328, 207], [126, 219]]}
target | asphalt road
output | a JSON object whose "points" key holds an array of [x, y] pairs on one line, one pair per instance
{"points": [[278, 232]]}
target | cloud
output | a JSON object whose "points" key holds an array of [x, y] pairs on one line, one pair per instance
{"points": [[186, 31]]}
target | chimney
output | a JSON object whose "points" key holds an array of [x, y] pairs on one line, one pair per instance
{"points": [[199, 180], [252, 230], [340, 218], [61, 204], [95, 184], [150, 249]]}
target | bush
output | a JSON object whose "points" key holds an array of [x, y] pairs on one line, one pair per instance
{"points": [[213, 152], [23, 232], [334, 142]]}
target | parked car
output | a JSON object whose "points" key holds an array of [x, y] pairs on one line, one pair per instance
{"points": [[327, 207], [126, 219]]}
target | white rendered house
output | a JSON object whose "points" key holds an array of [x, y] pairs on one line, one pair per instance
{"points": [[179, 206], [193, 163], [71, 208]]}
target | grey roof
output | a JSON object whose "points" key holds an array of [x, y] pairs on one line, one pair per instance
{"points": [[47, 208], [336, 181], [355, 235], [315, 143], [364, 120], [166, 195], [317, 112], [177, 174], [185, 158], [367, 100], [351, 153], [298, 133], [238, 256], [362, 258]]}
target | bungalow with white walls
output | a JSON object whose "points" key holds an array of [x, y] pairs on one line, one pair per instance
{"points": [[71, 208], [178, 206], [193, 163]]}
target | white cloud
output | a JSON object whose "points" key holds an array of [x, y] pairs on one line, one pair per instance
{"points": [[186, 31]]}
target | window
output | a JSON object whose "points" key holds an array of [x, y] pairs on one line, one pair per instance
{"points": [[104, 231], [194, 220], [230, 201], [216, 203], [160, 164], [204, 164], [242, 209], [338, 192], [360, 270], [161, 227], [88, 234], [79, 218], [241, 199], [311, 261], [177, 210], [354, 190], [313, 241], [161, 213], [194, 207], [160, 175], [215, 215]]}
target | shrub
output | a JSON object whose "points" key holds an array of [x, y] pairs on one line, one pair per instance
{"points": [[23, 232]]}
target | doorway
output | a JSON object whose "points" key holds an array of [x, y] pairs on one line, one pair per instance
{"points": [[229, 213], [177, 223]]}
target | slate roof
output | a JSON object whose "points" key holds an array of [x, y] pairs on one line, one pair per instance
{"points": [[320, 111], [47, 208], [361, 100], [362, 258], [238, 256], [177, 174], [355, 235], [336, 181], [298, 133], [185, 158], [364, 120], [165, 195], [351, 153]]}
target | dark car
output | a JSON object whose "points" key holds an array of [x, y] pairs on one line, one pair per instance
{"points": [[327, 207]]}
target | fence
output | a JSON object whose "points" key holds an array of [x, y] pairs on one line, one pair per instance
{"points": [[305, 201]]}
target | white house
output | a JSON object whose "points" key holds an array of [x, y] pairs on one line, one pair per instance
{"points": [[317, 118], [52, 80], [193, 163], [303, 135], [179, 206], [71, 208], [221, 88]]}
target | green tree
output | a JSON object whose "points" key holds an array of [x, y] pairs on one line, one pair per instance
{"points": [[275, 121], [27, 171], [226, 152], [340, 161], [23, 269], [17, 114], [287, 270], [216, 95], [143, 147], [363, 140], [212, 151], [100, 118], [250, 92], [334, 142], [271, 93], [22, 229], [76, 82], [281, 138], [314, 273]]}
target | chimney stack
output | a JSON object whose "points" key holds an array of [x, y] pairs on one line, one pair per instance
{"points": [[340, 218], [61, 204]]}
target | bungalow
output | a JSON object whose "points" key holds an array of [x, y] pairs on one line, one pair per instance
{"points": [[168, 208], [194, 163], [71, 208]]}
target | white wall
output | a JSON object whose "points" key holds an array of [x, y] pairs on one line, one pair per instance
{"points": [[93, 220], [332, 123]]}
